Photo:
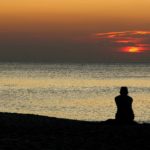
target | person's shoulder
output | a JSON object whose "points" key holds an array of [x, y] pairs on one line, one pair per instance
{"points": [[117, 97], [130, 98]]}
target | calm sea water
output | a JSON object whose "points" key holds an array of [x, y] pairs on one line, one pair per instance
{"points": [[76, 91]]}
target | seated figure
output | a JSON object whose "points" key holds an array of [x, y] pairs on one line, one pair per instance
{"points": [[124, 107]]}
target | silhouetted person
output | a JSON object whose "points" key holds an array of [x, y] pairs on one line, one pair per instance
{"points": [[124, 107]]}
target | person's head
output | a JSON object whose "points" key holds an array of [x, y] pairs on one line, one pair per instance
{"points": [[124, 90]]}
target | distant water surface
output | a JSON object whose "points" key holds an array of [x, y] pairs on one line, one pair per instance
{"points": [[75, 91]]}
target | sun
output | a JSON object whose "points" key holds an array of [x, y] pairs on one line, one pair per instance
{"points": [[132, 49]]}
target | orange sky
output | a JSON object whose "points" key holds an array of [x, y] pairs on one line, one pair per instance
{"points": [[65, 29], [88, 15]]}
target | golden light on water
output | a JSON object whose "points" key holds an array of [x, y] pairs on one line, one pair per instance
{"points": [[75, 92], [98, 107]]}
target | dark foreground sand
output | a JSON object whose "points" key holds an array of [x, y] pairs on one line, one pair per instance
{"points": [[31, 132]]}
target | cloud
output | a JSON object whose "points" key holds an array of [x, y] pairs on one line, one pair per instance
{"points": [[125, 41]]}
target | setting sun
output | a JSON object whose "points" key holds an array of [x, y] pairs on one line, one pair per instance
{"points": [[132, 49]]}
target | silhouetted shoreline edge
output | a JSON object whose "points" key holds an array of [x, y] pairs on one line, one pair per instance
{"points": [[24, 131]]}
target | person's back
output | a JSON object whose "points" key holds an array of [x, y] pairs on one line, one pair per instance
{"points": [[124, 106]]}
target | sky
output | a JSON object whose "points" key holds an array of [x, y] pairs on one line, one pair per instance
{"points": [[75, 30]]}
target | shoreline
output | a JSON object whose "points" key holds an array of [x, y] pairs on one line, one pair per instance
{"points": [[25, 131]]}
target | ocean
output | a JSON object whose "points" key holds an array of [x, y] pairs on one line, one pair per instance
{"points": [[74, 91]]}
